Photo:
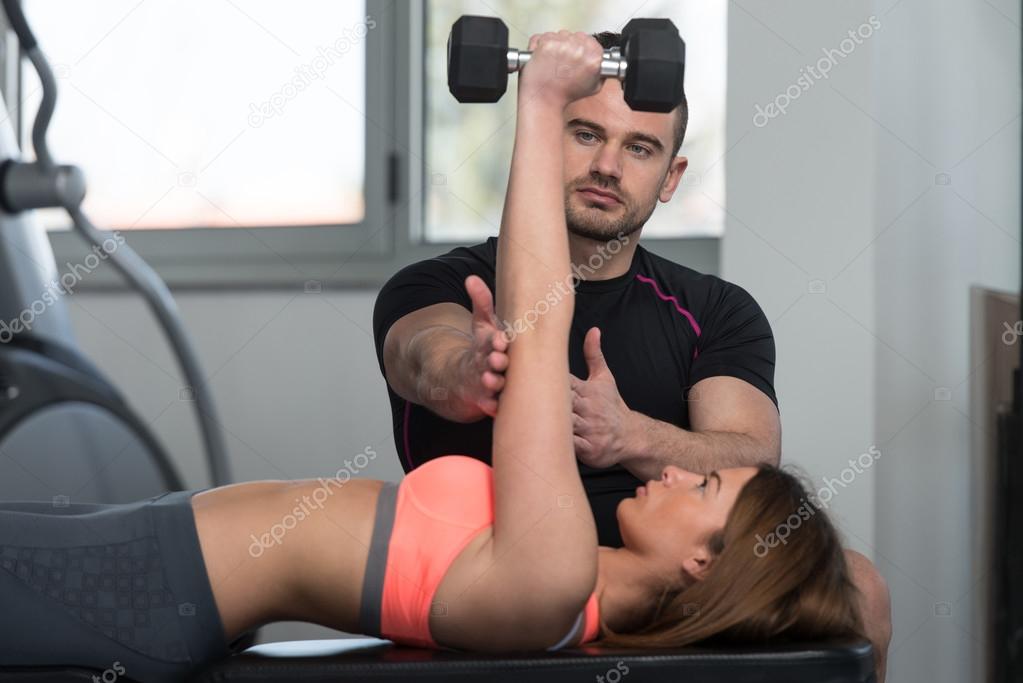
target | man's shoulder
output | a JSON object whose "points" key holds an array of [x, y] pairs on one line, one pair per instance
{"points": [[485, 251], [483, 254], [457, 262], [704, 291], [682, 277]]}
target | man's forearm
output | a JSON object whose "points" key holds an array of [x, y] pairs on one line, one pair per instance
{"points": [[651, 445], [435, 356]]}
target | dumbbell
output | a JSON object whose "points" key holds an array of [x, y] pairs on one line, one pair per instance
{"points": [[651, 62]]}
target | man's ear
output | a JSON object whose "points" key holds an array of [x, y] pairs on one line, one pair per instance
{"points": [[697, 564], [676, 168]]}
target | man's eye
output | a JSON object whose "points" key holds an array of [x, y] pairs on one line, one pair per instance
{"points": [[639, 149], [589, 136]]}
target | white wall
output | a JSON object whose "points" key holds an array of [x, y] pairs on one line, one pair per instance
{"points": [[800, 201], [949, 93], [840, 189], [845, 187]]}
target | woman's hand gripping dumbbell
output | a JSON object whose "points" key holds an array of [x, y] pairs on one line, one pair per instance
{"points": [[650, 64]]}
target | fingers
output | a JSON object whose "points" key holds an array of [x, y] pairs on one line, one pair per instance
{"points": [[488, 406], [581, 407], [498, 361], [491, 345], [577, 387], [578, 39], [484, 314], [492, 381], [499, 341], [591, 351], [482, 299]]}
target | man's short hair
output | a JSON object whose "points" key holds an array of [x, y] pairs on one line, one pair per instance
{"points": [[609, 39]]}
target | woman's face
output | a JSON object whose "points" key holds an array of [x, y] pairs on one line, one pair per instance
{"points": [[671, 520]]}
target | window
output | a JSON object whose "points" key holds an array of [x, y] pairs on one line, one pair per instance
{"points": [[468, 147], [185, 113], [259, 143]]}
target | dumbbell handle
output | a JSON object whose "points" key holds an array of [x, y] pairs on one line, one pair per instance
{"points": [[613, 64]]}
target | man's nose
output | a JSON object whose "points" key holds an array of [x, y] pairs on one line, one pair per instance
{"points": [[607, 164]]}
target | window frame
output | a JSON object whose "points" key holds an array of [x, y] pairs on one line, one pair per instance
{"points": [[362, 255]]}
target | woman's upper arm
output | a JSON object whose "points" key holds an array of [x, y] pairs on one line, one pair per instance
{"points": [[489, 602]]}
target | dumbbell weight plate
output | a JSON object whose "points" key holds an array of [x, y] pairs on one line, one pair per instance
{"points": [[478, 59], [656, 56]]}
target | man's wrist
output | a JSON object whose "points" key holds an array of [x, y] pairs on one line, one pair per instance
{"points": [[635, 445], [462, 402], [441, 385]]}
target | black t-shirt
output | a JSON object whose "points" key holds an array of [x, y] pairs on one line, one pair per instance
{"points": [[664, 327]]}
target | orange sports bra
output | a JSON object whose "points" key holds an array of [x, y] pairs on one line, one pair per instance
{"points": [[421, 526]]}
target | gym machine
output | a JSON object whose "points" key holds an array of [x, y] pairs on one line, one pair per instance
{"points": [[66, 433]]}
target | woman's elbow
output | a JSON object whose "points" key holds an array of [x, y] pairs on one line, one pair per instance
{"points": [[564, 592]]}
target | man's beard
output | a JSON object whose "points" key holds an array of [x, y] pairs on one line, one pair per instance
{"points": [[594, 223]]}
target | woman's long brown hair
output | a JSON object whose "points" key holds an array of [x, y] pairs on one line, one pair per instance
{"points": [[760, 585]]}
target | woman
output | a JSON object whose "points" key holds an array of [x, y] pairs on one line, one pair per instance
{"points": [[458, 555]]}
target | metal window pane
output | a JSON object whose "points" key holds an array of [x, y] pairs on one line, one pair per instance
{"points": [[185, 113], [365, 255]]}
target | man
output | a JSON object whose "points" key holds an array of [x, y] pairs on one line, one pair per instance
{"points": [[670, 366]]}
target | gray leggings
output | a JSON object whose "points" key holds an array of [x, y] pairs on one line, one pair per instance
{"points": [[116, 588]]}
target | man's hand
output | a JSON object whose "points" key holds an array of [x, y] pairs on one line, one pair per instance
{"points": [[481, 368], [600, 420]]}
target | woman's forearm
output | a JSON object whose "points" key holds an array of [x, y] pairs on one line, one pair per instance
{"points": [[532, 250], [542, 516]]}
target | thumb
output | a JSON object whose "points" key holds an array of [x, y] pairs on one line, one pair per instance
{"points": [[482, 299], [592, 353]]}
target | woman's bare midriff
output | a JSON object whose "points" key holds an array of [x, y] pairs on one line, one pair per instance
{"points": [[296, 551], [287, 550]]}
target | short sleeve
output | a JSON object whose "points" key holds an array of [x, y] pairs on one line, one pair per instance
{"points": [[736, 341], [433, 281]]}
